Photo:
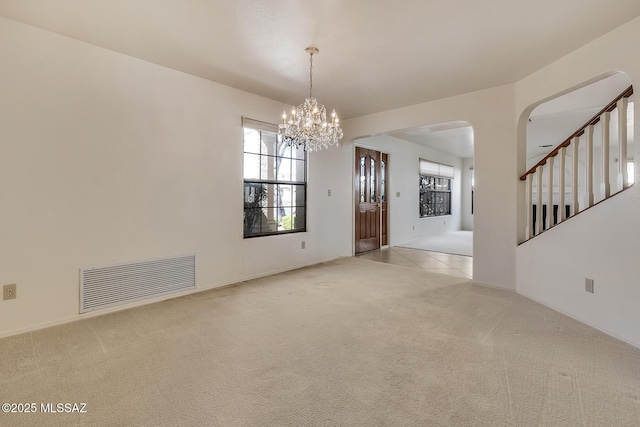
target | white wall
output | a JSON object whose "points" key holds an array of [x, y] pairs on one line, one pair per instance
{"points": [[491, 114], [601, 243], [405, 223], [105, 158], [467, 216]]}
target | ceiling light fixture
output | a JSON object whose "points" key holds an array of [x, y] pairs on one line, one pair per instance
{"points": [[307, 127]]}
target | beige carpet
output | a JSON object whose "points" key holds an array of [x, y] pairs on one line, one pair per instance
{"points": [[347, 343]]}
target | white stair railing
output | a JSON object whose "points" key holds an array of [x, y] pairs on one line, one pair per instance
{"points": [[541, 217]]}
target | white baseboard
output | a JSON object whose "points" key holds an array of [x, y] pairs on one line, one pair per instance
{"points": [[97, 313], [581, 320]]}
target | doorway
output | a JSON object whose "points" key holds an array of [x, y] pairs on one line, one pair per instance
{"points": [[370, 192]]}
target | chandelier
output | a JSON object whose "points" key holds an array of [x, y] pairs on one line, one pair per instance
{"points": [[307, 126]]}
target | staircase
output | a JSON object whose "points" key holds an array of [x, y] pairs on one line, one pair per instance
{"points": [[581, 171]]}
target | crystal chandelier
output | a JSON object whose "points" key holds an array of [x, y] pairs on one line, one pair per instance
{"points": [[307, 127]]}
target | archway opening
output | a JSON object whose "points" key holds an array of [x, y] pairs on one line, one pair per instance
{"points": [[589, 167], [431, 177]]}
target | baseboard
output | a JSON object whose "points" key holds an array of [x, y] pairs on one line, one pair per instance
{"points": [[285, 269], [486, 285], [123, 307], [579, 319]]}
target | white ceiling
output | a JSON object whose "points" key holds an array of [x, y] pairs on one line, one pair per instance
{"points": [[552, 122], [452, 137], [374, 54]]}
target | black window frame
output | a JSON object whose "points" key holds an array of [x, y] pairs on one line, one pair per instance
{"points": [[254, 209], [432, 198]]}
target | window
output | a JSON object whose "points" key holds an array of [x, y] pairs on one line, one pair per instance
{"points": [[473, 182], [435, 189], [275, 182], [435, 196]]}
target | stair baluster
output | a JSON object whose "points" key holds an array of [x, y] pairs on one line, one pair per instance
{"points": [[549, 221], [575, 204], [589, 167], [605, 183], [562, 213], [539, 223], [623, 181]]}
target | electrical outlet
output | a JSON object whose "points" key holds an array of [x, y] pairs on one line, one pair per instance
{"points": [[588, 285], [9, 291], [303, 244], [329, 192], [397, 194]]}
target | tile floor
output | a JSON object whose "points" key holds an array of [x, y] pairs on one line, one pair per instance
{"points": [[435, 262]]}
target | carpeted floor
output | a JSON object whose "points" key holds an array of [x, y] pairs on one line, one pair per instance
{"points": [[347, 343], [453, 242]]}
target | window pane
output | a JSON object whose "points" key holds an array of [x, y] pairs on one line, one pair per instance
{"points": [[285, 197], [268, 168], [255, 196], [298, 195], [298, 153], [254, 193], [251, 141], [283, 169], [251, 221], [383, 177], [363, 179], [298, 171], [251, 166], [268, 143], [300, 219], [267, 225], [285, 150], [373, 181]]}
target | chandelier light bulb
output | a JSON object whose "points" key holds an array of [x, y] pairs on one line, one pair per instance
{"points": [[307, 127]]}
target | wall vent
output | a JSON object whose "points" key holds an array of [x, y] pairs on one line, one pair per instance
{"points": [[114, 285]]}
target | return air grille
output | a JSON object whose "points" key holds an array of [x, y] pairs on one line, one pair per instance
{"points": [[114, 285]]}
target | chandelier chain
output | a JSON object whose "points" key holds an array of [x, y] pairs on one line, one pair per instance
{"points": [[311, 76]]}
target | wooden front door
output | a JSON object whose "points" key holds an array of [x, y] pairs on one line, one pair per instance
{"points": [[371, 199]]}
